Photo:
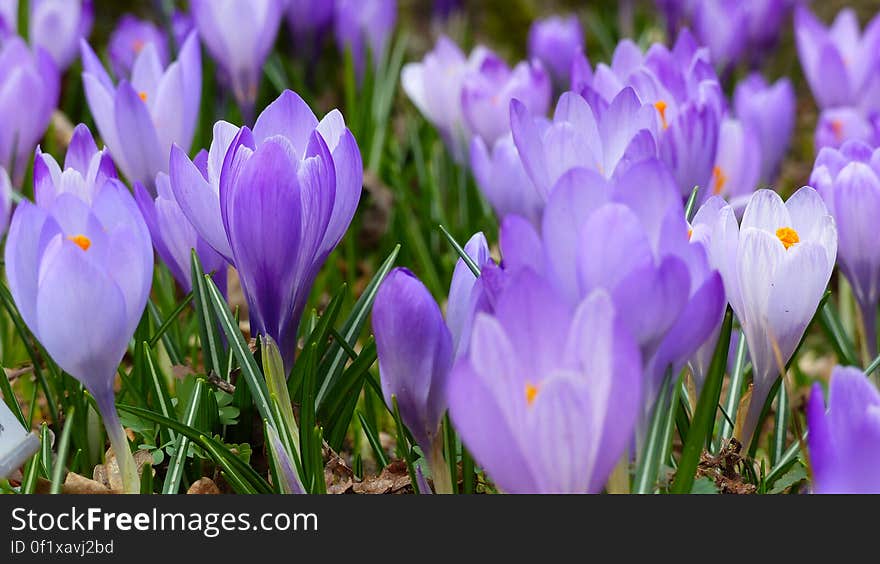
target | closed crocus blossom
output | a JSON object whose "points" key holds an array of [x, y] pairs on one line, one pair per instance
{"points": [[769, 111], [849, 182], [129, 39], [239, 36], [547, 397], [275, 203], [737, 164], [415, 354], [434, 85], [27, 99], [488, 89], [140, 119], [363, 26], [464, 295], [839, 125], [308, 19], [555, 41], [175, 238], [844, 439], [74, 263], [503, 180], [839, 62], [628, 237], [58, 26], [85, 170], [5, 201], [725, 42], [607, 138], [785, 253]]}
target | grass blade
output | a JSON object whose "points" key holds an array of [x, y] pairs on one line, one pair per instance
{"points": [[212, 348], [654, 450], [63, 449], [178, 460]]}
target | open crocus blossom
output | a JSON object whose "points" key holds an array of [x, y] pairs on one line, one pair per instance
{"points": [[175, 238], [85, 170], [556, 41], [547, 397], [274, 204], [140, 119], [362, 27], [849, 181], [434, 85], [129, 39], [785, 253], [839, 62], [30, 81], [74, 263], [239, 36], [844, 440], [415, 354], [839, 125], [629, 238], [769, 111], [58, 26], [488, 89]]}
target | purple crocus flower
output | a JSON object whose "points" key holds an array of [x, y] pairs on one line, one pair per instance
{"points": [[849, 182], [30, 80], [488, 89], [309, 18], [548, 396], [58, 26], [74, 263], [8, 18], [839, 125], [503, 180], [85, 171], [415, 353], [840, 63], [769, 111], [725, 42], [766, 19], [140, 119], [737, 164], [607, 138], [5, 201], [556, 41], [784, 255], [464, 294], [844, 440], [435, 84], [274, 204], [362, 26], [239, 36], [129, 39], [628, 237], [182, 25], [174, 236]]}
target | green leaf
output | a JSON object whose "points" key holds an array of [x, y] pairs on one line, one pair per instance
{"points": [[169, 321], [659, 433], [178, 459], [403, 445], [338, 411], [734, 392], [373, 439], [703, 424], [691, 202], [58, 472], [331, 367], [240, 475], [160, 391], [797, 474], [212, 348], [462, 254]]}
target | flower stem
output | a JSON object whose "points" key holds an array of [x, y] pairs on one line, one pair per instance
{"points": [[439, 467], [119, 443]]}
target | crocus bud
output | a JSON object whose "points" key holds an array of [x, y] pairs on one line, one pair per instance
{"points": [[30, 81], [77, 263], [556, 41], [129, 39], [175, 238], [58, 26], [769, 111], [140, 120], [844, 440], [849, 182], [239, 36], [785, 253], [362, 26], [488, 89], [547, 397], [414, 347]]}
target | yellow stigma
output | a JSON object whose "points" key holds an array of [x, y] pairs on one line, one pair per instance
{"points": [[719, 179], [788, 236], [690, 233], [531, 393], [661, 109], [81, 241], [142, 95]]}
